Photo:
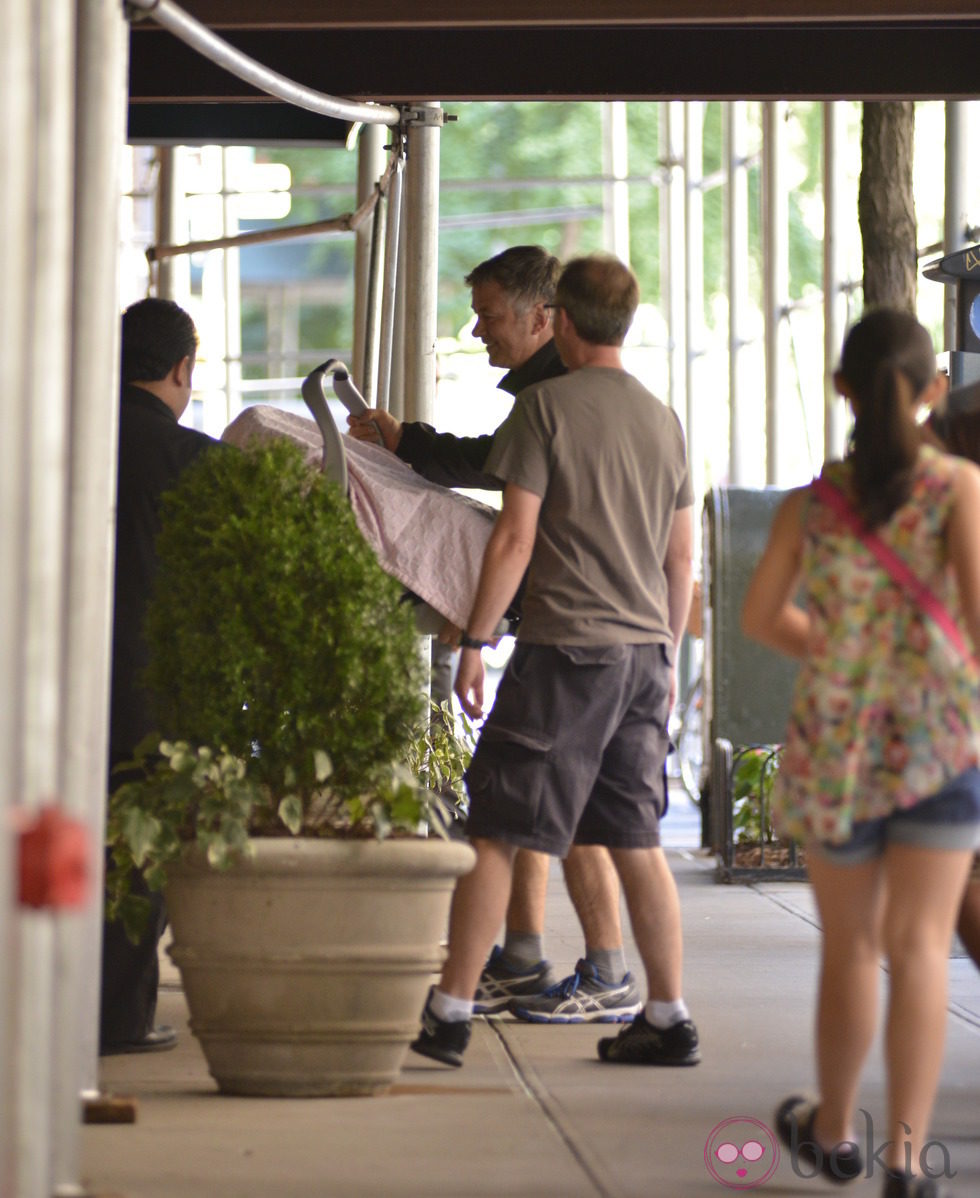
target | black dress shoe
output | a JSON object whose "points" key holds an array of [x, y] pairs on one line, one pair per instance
{"points": [[160, 1039]]}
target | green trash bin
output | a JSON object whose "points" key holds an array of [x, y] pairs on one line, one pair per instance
{"points": [[747, 687]]}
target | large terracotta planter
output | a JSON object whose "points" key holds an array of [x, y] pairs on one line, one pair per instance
{"points": [[305, 968]]}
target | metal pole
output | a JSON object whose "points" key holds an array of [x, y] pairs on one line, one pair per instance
{"points": [[615, 189], [737, 221], [776, 271], [16, 202], [224, 55], [694, 287], [390, 282], [673, 230], [166, 232], [100, 135], [422, 261], [957, 218], [396, 405], [45, 397], [216, 421], [367, 260], [834, 299]]}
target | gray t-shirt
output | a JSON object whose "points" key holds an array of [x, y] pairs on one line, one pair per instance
{"points": [[608, 460]]}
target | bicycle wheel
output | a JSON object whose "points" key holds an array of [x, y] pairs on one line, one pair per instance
{"points": [[690, 740]]}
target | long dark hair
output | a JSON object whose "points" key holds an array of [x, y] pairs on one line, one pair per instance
{"points": [[888, 359]]}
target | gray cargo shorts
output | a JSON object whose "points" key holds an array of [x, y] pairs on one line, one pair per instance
{"points": [[573, 750]]}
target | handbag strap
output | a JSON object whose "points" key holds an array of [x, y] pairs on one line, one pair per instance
{"points": [[892, 563]]}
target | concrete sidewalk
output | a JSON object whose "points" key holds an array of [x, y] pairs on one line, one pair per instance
{"points": [[532, 1111]]}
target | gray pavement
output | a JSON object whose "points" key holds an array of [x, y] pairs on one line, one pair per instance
{"points": [[532, 1111]]}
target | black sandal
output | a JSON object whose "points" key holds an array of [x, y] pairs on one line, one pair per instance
{"points": [[794, 1120]]}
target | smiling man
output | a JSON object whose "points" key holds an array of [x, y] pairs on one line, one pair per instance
{"points": [[512, 296]]}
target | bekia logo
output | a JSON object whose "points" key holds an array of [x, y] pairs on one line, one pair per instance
{"points": [[741, 1153]]}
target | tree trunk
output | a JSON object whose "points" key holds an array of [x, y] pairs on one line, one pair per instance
{"points": [[886, 207]]}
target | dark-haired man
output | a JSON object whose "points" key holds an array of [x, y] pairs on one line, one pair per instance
{"points": [[597, 508], [511, 296], [159, 347]]}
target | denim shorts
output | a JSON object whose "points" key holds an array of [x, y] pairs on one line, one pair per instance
{"points": [[948, 820], [573, 750]]}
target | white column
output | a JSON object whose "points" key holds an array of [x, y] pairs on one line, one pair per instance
{"points": [[834, 299], [737, 231], [232, 287], [367, 288], [47, 299], [16, 168], [391, 280], [673, 240], [615, 190], [957, 214], [421, 261], [100, 136], [694, 335], [775, 207]]}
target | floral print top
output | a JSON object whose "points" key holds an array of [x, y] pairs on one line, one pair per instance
{"points": [[884, 709]]}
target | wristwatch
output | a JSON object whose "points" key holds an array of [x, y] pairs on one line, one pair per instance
{"points": [[470, 642]]}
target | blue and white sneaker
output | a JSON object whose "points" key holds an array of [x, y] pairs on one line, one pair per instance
{"points": [[500, 983], [583, 997]]}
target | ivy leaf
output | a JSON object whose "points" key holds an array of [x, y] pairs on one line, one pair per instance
{"points": [[140, 831], [322, 765], [291, 813]]}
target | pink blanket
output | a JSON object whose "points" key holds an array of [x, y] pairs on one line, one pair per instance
{"points": [[430, 538]]}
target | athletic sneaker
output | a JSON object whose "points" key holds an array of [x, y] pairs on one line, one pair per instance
{"points": [[640, 1043], [441, 1039], [582, 998], [500, 982]]}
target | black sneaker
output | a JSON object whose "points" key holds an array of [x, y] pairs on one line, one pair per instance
{"points": [[794, 1120], [441, 1039], [500, 983], [640, 1043], [899, 1186]]}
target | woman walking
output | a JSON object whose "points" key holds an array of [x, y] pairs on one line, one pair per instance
{"points": [[879, 773]]}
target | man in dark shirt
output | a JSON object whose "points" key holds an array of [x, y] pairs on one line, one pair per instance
{"points": [[511, 296], [159, 345]]}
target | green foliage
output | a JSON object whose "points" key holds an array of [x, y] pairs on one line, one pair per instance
{"points": [[753, 775], [176, 795], [286, 674], [273, 630], [441, 751]]}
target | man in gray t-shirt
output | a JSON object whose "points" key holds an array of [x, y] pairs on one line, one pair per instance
{"points": [[598, 505]]}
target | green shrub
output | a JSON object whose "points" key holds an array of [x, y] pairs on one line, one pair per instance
{"points": [[286, 675], [273, 630]]}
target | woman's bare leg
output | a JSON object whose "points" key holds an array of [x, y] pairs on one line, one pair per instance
{"points": [[924, 891], [850, 904]]}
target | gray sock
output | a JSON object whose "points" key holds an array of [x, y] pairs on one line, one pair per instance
{"points": [[610, 963], [523, 948]]}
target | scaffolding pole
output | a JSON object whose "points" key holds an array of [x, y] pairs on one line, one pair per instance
{"points": [[422, 260], [737, 246], [834, 296], [368, 261], [776, 272]]}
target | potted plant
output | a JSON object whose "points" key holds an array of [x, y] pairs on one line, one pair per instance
{"points": [[277, 807]]}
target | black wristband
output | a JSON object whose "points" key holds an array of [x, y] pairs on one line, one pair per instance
{"points": [[469, 642]]}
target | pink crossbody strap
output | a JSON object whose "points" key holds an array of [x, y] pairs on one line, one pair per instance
{"points": [[892, 563]]}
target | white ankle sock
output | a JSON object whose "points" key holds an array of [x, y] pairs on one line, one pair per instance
{"points": [[665, 1014], [449, 1008]]}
